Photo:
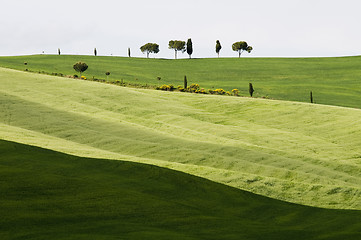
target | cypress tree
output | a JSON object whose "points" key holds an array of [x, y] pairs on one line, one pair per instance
{"points": [[185, 82], [218, 47], [250, 89], [128, 52], [95, 52], [59, 51], [189, 48], [311, 97]]}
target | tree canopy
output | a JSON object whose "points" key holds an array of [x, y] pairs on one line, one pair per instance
{"points": [[241, 47], [177, 46], [149, 48], [80, 67], [189, 47]]}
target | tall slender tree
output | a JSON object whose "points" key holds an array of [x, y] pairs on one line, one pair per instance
{"points": [[251, 89], [185, 82], [177, 46], [95, 52], [59, 51], [218, 47], [189, 47], [128, 52]]}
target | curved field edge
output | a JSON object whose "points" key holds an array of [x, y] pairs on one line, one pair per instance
{"points": [[291, 151], [46, 193], [333, 81]]}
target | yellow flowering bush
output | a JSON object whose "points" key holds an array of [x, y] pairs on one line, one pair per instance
{"points": [[235, 92], [166, 87]]}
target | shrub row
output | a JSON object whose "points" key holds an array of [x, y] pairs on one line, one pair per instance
{"points": [[195, 88]]}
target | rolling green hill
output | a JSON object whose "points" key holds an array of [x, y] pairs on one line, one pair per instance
{"points": [[298, 152], [50, 195], [334, 81]]}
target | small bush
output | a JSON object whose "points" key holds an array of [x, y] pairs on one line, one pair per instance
{"points": [[180, 88], [201, 91], [235, 92], [76, 76], [165, 87], [193, 87], [83, 77], [219, 91]]}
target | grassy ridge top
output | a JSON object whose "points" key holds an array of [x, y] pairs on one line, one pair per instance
{"points": [[334, 81], [297, 152], [82, 198]]}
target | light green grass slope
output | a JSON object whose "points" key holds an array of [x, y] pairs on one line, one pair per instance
{"points": [[334, 81], [297, 152], [49, 195]]}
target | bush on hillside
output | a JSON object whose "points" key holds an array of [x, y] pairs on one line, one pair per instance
{"points": [[235, 92], [219, 91], [181, 89], [193, 87], [165, 87]]}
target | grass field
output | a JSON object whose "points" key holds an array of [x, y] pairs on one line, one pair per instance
{"points": [[333, 81], [291, 151], [50, 195]]}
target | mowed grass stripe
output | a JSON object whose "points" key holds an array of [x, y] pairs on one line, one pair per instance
{"points": [[334, 81], [292, 151], [46, 193]]}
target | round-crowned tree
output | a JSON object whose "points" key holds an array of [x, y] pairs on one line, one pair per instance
{"points": [[150, 48], [177, 45], [241, 47], [80, 67]]}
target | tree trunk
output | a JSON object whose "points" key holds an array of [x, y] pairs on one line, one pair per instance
{"points": [[218, 54], [147, 54], [175, 54]]}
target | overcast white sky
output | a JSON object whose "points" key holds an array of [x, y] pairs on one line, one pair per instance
{"points": [[273, 27]]}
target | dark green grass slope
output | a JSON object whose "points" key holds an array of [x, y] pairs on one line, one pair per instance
{"points": [[50, 195], [334, 81]]}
